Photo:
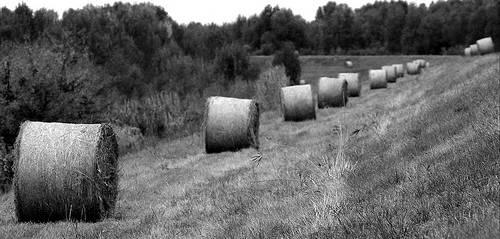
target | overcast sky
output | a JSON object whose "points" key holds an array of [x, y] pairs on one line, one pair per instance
{"points": [[204, 11]]}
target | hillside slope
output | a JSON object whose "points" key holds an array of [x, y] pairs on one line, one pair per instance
{"points": [[419, 158]]}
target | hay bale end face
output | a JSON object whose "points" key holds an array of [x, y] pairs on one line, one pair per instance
{"points": [[297, 103], [412, 68], [391, 73], [332, 92], [231, 124], [485, 45], [474, 50], [467, 51], [420, 63], [353, 83], [378, 79], [400, 71], [65, 172]]}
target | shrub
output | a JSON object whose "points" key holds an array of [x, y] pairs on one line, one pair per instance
{"points": [[231, 61], [290, 59]]}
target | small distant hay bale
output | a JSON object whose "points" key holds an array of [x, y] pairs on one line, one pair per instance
{"points": [[467, 51], [332, 92], [348, 64], [302, 82], [392, 75], [231, 124], [412, 68], [485, 45], [378, 79], [65, 172], [353, 83], [427, 64], [297, 103], [474, 50], [420, 63], [400, 71]]}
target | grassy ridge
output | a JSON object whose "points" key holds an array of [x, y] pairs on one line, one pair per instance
{"points": [[417, 159]]}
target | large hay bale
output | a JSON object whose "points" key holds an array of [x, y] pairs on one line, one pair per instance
{"points": [[474, 50], [297, 103], [400, 71], [378, 78], [485, 45], [467, 51], [391, 73], [65, 171], [332, 92], [353, 83], [231, 124], [412, 68]]}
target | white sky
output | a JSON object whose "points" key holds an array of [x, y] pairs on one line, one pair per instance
{"points": [[204, 11]]}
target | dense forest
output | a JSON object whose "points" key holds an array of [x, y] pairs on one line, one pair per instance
{"points": [[134, 65]]}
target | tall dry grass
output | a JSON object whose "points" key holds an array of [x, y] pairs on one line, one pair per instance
{"points": [[269, 87], [166, 114]]}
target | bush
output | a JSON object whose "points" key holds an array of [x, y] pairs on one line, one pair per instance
{"points": [[231, 61], [6, 172], [289, 58]]}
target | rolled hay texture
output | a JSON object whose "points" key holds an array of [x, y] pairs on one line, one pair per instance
{"points": [[392, 75], [297, 103], [474, 50], [353, 83], [65, 171], [412, 68], [467, 51], [378, 78], [400, 71], [231, 124], [332, 92], [420, 62], [485, 45]]}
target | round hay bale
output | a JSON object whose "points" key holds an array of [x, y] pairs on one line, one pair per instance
{"points": [[302, 82], [65, 171], [348, 64], [231, 124], [391, 73], [420, 63], [427, 64], [485, 45], [332, 92], [400, 71], [412, 68], [378, 78], [467, 51], [474, 50], [353, 83], [297, 103]]}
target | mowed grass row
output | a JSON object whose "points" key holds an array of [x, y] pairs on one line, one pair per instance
{"points": [[419, 158]]}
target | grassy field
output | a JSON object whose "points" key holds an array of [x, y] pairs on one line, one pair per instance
{"points": [[419, 159]]}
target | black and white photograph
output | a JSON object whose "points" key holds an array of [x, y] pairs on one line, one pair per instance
{"points": [[249, 119]]}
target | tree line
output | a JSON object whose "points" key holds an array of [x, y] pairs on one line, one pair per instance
{"points": [[75, 68]]}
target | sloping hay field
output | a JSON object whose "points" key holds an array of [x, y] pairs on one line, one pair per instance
{"points": [[417, 159]]}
